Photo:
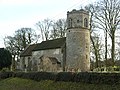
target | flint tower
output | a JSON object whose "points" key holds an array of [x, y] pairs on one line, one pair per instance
{"points": [[78, 41]]}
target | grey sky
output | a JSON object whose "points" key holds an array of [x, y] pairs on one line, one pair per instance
{"points": [[15, 14]]}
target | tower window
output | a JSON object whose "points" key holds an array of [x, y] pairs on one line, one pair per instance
{"points": [[78, 21], [28, 58], [85, 22], [86, 56], [70, 23]]}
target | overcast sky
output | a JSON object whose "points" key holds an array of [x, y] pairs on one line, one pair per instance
{"points": [[15, 14]]}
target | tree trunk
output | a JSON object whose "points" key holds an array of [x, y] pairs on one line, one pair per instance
{"points": [[113, 50], [96, 54], [13, 63], [96, 57], [106, 49]]}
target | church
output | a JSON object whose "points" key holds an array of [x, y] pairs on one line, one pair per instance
{"points": [[71, 53]]}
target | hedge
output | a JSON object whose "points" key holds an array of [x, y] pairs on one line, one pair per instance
{"points": [[4, 75], [83, 77], [65, 76]]}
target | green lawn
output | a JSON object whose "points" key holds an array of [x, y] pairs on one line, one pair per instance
{"points": [[25, 84]]}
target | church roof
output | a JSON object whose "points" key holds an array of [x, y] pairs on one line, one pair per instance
{"points": [[44, 45], [54, 60], [50, 44], [28, 50]]}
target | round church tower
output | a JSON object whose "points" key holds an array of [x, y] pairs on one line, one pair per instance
{"points": [[78, 41]]}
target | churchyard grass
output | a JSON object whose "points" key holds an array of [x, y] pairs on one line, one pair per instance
{"points": [[26, 84]]}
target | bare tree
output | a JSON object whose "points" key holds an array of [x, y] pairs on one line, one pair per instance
{"points": [[108, 19], [93, 26], [25, 36], [59, 29], [118, 47], [10, 45], [19, 41], [44, 27], [97, 48], [96, 44]]}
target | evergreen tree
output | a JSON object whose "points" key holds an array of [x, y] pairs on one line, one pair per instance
{"points": [[5, 58]]}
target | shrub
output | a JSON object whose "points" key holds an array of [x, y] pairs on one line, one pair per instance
{"points": [[110, 78], [4, 75], [5, 70], [18, 74], [65, 76], [98, 78], [83, 77], [30, 75], [44, 76]]}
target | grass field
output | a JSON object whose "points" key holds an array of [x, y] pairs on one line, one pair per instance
{"points": [[25, 84]]}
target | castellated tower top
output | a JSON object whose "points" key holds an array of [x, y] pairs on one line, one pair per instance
{"points": [[78, 19]]}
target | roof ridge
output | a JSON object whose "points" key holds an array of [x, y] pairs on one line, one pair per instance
{"points": [[50, 44], [53, 39]]}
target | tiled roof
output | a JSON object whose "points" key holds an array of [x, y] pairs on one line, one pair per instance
{"points": [[28, 50], [54, 60], [50, 44]]}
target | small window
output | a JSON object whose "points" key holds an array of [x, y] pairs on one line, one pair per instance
{"points": [[86, 45], [28, 58], [85, 22], [86, 56], [78, 21], [25, 66], [70, 23]]}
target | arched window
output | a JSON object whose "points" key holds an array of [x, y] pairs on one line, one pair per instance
{"points": [[85, 22], [70, 23], [78, 21], [28, 58]]}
